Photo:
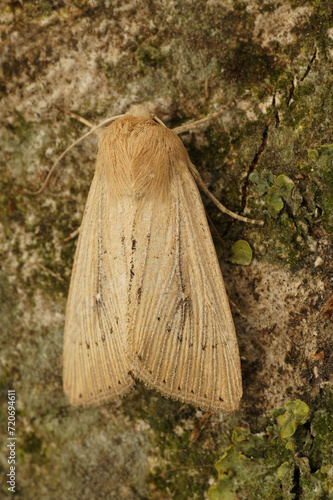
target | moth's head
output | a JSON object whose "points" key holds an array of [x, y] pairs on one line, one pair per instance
{"points": [[137, 110], [140, 155], [140, 111]]}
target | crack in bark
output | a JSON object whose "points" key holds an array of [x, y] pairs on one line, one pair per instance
{"points": [[277, 116], [255, 162], [297, 489], [263, 145], [308, 69]]}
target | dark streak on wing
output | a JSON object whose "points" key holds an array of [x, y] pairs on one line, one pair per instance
{"points": [[102, 312]]}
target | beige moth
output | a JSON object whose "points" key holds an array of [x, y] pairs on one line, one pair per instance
{"points": [[147, 298]]}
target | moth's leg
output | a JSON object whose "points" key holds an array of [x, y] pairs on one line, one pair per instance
{"points": [[73, 235], [48, 271], [202, 423], [235, 308]]}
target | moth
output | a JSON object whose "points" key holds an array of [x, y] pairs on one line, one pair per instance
{"points": [[147, 298]]}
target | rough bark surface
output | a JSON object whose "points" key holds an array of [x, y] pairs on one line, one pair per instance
{"points": [[268, 64]]}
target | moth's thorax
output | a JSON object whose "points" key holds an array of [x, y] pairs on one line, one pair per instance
{"points": [[140, 157]]}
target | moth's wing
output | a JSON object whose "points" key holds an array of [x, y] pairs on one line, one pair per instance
{"points": [[182, 339], [95, 367]]}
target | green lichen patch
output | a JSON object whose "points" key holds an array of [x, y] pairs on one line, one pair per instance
{"points": [[278, 190], [296, 414], [262, 181], [241, 253], [261, 466], [281, 191], [319, 171], [293, 207], [229, 466]]}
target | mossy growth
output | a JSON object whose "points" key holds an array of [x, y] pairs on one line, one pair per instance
{"points": [[148, 55], [291, 210], [284, 461], [319, 170], [180, 466], [311, 199], [277, 191]]}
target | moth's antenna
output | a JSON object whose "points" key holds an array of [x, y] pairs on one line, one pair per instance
{"points": [[49, 175], [190, 126], [219, 205]]}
